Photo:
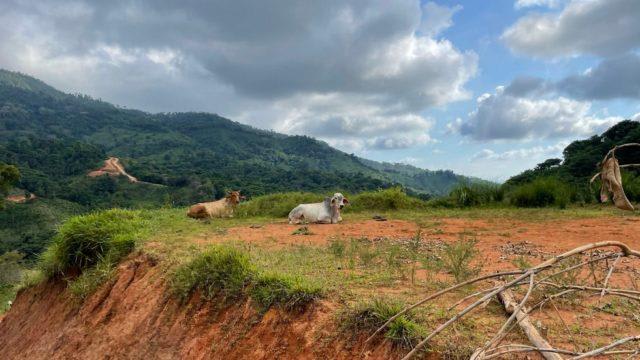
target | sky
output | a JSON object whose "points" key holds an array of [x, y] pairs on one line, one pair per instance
{"points": [[484, 88]]}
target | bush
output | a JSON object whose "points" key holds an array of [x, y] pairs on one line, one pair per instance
{"points": [[84, 241], [11, 268], [456, 259], [384, 200], [631, 184], [369, 316], [476, 194], [275, 205], [288, 292], [541, 192], [222, 270]]}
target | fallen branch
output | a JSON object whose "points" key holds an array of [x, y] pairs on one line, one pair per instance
{"points": [[601, 350], [509, 303], [518, 310]]}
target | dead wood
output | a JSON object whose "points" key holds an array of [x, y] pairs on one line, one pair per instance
{"points": [[511, 307], [518, 309]]}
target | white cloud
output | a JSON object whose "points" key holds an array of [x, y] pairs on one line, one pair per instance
{"points": [[520, 4], [264, 63], [532, 153], [436, 18], [352, 122], [502, 116], [600, 27]]}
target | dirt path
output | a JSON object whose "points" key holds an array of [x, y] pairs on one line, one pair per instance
{"points": [[112, 167]]}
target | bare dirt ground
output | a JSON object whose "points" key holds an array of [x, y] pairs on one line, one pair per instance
{"points": [[498, 239]]}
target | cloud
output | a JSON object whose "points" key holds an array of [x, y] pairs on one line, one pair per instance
{"points": [[613, 78], [247, 60], [598, 27], [436, 18], [536, 152], [520, 4], [503, 116], [353, 122]]}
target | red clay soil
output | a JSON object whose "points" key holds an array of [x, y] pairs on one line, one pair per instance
{"points": [[494, 236], [134, 317], [112, 167]]}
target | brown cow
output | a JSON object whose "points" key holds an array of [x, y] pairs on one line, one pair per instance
{"points": [[221, 208]]}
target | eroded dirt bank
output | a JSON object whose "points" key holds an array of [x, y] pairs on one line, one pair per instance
{"points": [[134, 318]]}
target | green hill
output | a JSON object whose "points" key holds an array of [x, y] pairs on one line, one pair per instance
{"points": [[43, 129]]}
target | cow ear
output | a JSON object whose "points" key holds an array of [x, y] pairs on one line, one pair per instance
{"points": [[345, 200]]}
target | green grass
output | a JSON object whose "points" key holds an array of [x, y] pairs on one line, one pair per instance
{"points": [[220, 271], [384, 200], [276, 205], [366, 317], [229, 272], [84, 241], [87, 247], [284, 291], [7, 294], [541, 192]]}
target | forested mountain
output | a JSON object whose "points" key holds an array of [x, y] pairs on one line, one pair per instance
{"points": [[52, 136]]}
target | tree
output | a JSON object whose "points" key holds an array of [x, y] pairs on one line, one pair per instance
{"points": [[9, 175]]}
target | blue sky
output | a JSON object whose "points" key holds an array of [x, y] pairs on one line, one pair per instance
{"points": [[485, 88]]}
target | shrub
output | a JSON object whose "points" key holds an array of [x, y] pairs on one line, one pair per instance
{"points": [[84, 241], [456, 259], [383, 200], [631, 184], [11, 268], [476, 194], [221, 270], [369, 316], [276, 205], [541, 192], [288, 292]]}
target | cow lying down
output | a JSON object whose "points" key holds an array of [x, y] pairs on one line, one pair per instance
{"points": [[326, 212], [221, 208]]}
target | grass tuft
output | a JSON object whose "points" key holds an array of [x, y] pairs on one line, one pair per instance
{"points": [[84, 241], [456, 259], [366, 317], [285, 291], [220, 271]]}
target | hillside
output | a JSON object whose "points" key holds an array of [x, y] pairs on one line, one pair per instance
{"points": [[187, 149]]}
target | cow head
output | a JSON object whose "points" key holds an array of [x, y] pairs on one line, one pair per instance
{"points": [[233, 197], [338, 200]]}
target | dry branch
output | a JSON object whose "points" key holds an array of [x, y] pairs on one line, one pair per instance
{"points": [[518, 310], [601, 350], [509, 303]]}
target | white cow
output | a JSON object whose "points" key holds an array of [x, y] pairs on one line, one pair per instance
{"points": [[326, 212]]}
